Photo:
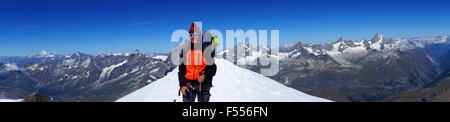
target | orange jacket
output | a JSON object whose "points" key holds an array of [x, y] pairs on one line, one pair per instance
{"points": [[195, 64]]}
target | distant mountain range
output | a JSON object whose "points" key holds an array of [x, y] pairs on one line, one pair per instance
{"points": [[366, 70], [379, 69], [80, 77]]}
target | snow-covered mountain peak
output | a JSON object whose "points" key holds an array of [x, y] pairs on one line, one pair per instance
{"points": [[42, 54], [341, 39], [136, 51], [77, 53], [231, 84], [45, 54], [377, 42], [378, 37]]}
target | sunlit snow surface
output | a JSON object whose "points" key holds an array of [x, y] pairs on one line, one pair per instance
{"points": [[231, 84], [10, 100]]}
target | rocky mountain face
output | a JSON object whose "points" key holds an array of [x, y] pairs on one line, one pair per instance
{"points": [[37, 98], [81, 77], [437, 91], [366, 70]]}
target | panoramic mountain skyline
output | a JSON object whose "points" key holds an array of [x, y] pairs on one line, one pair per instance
{"points": [[379, 69]]}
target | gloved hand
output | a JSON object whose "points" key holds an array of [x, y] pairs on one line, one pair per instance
{"points": [[183, 90]]}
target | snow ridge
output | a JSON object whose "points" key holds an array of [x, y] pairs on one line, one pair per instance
{"points": [[231, 84]]}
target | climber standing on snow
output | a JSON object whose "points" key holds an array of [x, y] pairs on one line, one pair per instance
{"points": [[195, 76]]}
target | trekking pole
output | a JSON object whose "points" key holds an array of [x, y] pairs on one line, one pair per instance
{"points": [[200, 90], [190, 92]]}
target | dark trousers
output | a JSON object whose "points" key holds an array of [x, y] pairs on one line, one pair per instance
{"points": [[203, 96]]}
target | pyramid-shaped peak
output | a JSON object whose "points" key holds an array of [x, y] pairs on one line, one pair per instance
{"points": [[340, 39], [136, 51], [377, 37]]}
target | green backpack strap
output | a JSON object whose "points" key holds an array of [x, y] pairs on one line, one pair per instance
{"points": [[215, 41]]}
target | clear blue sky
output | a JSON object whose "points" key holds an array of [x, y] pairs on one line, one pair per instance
{"points": [[108, 26]]}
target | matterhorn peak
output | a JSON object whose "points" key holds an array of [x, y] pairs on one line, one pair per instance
{"points": [[341, 39], [377, 37], [136, 51]]}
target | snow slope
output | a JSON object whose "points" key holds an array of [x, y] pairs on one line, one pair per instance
{"points": [[10, 100], [162, 57], [107, 70], [231, 84]]}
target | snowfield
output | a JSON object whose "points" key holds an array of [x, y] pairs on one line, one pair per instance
{"points": [[231, 84], [107, 70], [10, 100], [162, 57]]}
